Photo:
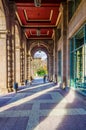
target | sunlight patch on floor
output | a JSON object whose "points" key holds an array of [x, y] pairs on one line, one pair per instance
{"points": [[57, 114], [26, 99], [37, 86]]}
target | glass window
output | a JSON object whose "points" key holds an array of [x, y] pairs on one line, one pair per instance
{"points": [[72, 44], [72, 6], [79, 38], [72, 68], [77, 2], [78, 59]]}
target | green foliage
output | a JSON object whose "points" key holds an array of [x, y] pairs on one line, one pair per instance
{"points": [[41, 72]]}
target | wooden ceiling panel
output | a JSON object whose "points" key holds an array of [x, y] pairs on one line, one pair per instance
{"points": [[33, 17], [32, 33], [37, 13]]}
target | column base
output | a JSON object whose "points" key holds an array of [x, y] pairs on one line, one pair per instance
{"points": [[10, 89], [5, 90]]}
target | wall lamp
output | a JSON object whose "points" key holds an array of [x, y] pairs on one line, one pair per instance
{"points": [[37, 3]]}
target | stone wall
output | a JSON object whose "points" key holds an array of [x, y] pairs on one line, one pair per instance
{"points": [[3, 67], [62, 42], [78, 19]]}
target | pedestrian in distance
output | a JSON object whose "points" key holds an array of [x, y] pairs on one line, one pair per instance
{"points": [[15, 87], [44, 78]]}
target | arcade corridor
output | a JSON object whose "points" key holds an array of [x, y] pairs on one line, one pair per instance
{"points": [[58, 29], [43, 107]]}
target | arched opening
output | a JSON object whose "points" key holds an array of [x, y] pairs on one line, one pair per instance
{"points": [[35, 49], [40, 64]]}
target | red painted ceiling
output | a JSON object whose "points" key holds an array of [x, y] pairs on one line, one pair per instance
{"points": [[38, 22]]}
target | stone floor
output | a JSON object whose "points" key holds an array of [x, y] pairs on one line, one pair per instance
{"points": [[43, 106]]}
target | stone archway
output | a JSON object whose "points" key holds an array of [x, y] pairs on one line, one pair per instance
{"points": [[39, 61], [45, 47]]}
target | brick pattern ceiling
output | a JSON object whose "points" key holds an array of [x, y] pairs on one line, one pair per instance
{"points": [[38, 22]]}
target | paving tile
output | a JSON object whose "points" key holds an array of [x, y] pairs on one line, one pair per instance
{"points": [[4, 101], [14, 123], [44, 97], [44, 106], [3, 121], [22, 107], [62, 123]]}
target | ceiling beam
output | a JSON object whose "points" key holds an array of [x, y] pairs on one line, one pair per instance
{"points": [[44, 26]]}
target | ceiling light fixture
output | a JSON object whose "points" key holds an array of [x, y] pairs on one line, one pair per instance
{"points": [[38, 32], [37, 3]]}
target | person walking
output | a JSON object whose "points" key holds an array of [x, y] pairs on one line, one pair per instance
{"points": [[44, 79]]}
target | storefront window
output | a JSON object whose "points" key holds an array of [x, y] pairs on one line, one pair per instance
{"points": [[78, 59], [79, 38], [72, 44]]}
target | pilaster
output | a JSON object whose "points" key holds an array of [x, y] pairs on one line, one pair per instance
{"points": [[55, 55], [11, 48], [29, 66], [17, 60], [22, 66]]}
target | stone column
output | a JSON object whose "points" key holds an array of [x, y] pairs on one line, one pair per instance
{"points": [[54, 59], [64, 43], [29, 67], [55, 55], [26, 63], [48, 65], [11, 47], [22, 66], [10, 63], [17, 52], [32, 73], [50, 59]]}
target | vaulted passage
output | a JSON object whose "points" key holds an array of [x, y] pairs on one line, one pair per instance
{"points": [[57, 28], [33, 89], [51, 27]]}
